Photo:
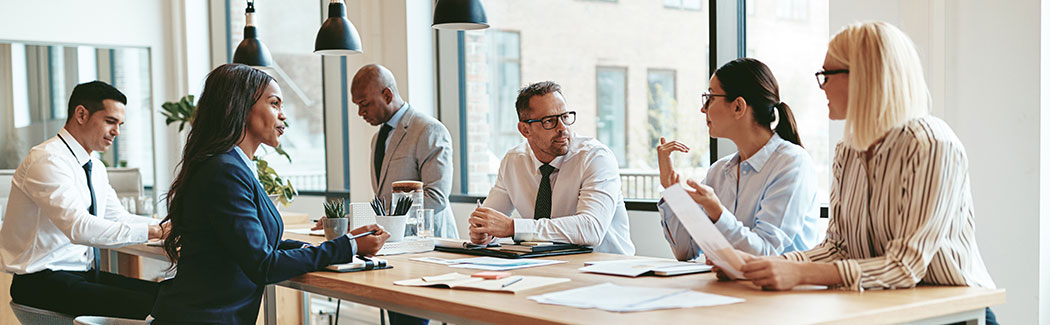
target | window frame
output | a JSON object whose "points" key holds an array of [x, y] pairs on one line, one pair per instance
{"points": [[727, 41]]}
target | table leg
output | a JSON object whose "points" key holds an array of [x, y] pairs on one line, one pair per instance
{"points": [[270, 304]]}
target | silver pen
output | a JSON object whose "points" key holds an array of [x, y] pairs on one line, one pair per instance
{"points": [[505, 284]]}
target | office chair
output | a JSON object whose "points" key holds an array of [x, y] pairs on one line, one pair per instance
{"points": [[37, 316]]}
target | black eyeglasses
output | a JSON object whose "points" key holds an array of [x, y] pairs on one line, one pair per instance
{"points": [[551, 121], [707, 98], [822, 76]]}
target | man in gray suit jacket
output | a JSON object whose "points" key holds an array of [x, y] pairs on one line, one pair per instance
{"points": [[410, 146]]}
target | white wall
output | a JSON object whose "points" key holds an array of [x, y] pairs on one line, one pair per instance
{"points": [[980, 59]]}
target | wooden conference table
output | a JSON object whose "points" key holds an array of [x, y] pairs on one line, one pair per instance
{"points": [[921, 305]]}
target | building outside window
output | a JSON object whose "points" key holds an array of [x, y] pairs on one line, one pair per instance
{"points": [[281, 26], [528, 42]]}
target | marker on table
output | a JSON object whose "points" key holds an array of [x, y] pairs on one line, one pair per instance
{"points": [[362, 234]]}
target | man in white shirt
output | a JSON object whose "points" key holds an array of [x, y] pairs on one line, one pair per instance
{"points": [[61, 205], [566, 187]]}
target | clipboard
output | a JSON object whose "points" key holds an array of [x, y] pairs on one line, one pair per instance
{"points": [[495, 252]]}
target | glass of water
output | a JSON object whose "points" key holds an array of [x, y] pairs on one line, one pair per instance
{"points": [[425, 223]]}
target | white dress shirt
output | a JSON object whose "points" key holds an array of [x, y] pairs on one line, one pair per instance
{"points": [[587, 205], [770, 209], [47, 224]]}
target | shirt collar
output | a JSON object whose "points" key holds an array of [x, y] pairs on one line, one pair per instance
{"points": [[79, 153], [759, 159], [247, 162], [397, 115]]}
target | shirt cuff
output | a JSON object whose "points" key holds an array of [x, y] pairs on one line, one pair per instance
{"points": [[796, 257], [353, 245], [727, 222], [140, 234], [524, 229], [849, 271]]}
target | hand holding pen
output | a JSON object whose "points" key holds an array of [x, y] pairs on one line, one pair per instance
{"points": [[369, 239]]}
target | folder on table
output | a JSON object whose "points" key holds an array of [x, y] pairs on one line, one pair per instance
{"points": [[512, 284]]}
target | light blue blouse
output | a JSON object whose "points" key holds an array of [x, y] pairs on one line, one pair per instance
{"points": [[774, 209]]}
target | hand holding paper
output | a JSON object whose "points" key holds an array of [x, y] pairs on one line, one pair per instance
{"points": [[715, 246]]}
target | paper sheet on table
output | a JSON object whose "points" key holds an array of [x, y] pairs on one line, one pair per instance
{"points": [[499, 264], [306, 231], [715, 246], [487, 263], [617, 298]]}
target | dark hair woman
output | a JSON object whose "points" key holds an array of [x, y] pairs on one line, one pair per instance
{"points": [[763, 198], [225, 236]]}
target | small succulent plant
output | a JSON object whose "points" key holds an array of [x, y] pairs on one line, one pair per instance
{"points": [[335, 209]]}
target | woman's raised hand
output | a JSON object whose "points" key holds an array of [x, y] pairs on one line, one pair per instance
{"points": [[668, 176]]}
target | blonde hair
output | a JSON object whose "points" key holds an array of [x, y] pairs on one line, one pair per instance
{"points": [[886, 83]]}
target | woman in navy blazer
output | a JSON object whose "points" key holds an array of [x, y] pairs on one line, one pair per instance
{"points": [[225, 237]]}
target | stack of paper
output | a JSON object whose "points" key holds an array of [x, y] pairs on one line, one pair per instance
{"points": [[617, 298], [638, 267]]}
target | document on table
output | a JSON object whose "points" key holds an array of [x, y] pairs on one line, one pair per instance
{"points": [[513, 284], [636, 267], [715, 246], [617, 298], [306, 231], [487, 263]]}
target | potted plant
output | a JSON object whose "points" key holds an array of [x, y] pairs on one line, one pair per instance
{"points": [[280, 190], [335, 222]]}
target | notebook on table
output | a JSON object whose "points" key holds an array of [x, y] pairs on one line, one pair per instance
{"points": [[359, 264]]}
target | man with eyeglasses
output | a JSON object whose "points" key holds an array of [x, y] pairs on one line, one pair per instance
{"points": [[565, 187]]}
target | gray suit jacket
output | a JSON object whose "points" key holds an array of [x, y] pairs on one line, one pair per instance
{"points": [[420, 149]]}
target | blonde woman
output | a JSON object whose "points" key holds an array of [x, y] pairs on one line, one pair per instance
{"points": [[901, 208]]}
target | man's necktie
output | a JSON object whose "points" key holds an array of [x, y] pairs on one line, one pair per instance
{"points": [[92, 210], [384, 132], [543, 198]]}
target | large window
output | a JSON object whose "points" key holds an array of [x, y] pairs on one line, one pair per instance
{"points": [[282, 26], [606, 57], [794, 46], [612, 107]]}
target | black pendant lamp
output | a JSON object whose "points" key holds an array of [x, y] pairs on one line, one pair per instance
{"points": [[337, 35], [251, 51], [460, 15]]}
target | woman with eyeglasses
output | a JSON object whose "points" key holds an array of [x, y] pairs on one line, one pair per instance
{"points": [[901, 206], [763, 198]]}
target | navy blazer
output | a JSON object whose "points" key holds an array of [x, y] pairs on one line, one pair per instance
{"points": [[232, 248]]}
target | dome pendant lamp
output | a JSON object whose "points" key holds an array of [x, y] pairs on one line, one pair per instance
{"points": [[251, 51], [460, 15], [337, 35]]}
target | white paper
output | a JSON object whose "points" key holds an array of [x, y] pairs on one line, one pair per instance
{"points": [[715, 246], [635, 268], [617, 298], [306, 231], [487, 263], [499, 264]]}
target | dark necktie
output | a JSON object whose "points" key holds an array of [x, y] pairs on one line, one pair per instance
{"points": [[381, 148], [543, 198], [92, 210]]}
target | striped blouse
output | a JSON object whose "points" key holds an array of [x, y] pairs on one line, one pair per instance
{"points": [[909, 220]]}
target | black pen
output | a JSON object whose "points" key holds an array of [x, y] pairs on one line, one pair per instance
{"points": [[362, 234]]}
